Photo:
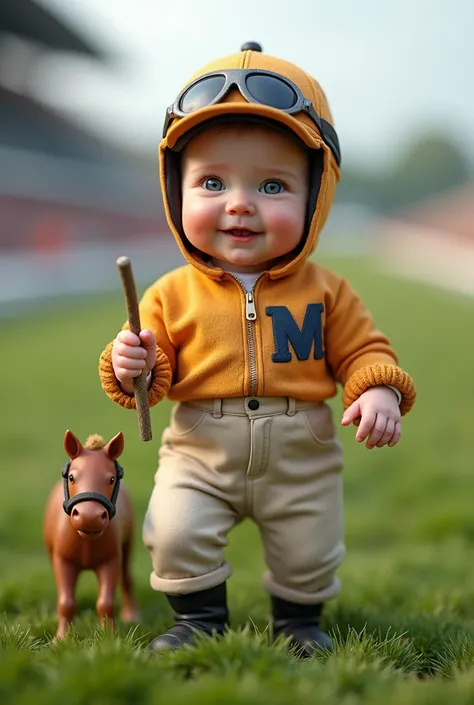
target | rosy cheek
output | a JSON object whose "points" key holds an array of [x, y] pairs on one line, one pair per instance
{"points": [[197, 216], [284, 220]]}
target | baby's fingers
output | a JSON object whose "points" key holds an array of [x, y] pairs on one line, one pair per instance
{"points": [[130, 352], [128, 367], [397, 432], [147, 338], [365, 427], [377, 431], [130, 363], [128, 338], [128, 357], [387, 434]]}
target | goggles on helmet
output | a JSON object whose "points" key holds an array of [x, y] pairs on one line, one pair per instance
{"points": [[256, 86]]}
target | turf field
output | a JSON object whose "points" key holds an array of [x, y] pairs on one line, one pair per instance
{"points": [[404, 622]]}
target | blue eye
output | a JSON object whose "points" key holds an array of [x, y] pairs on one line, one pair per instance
{"points": [[272, 187], [213, 184]]}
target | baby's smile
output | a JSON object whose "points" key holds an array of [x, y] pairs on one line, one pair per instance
{"points": [[240, 234]]}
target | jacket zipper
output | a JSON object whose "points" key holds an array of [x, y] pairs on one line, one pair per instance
{"points": [[251, 317]]}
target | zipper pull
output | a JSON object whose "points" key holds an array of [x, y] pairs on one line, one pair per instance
{"points": [[250, 310]]}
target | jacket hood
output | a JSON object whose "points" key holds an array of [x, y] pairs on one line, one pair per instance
{"points": [[324, 167]]}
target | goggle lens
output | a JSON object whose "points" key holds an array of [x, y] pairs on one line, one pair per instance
{"points": [[257, 86], [202, 94], [271, 91]]}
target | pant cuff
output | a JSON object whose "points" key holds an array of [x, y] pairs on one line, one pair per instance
{"points": [[185, 586], [301, 598]]}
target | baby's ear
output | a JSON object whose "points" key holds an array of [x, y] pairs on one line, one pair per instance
{"points": [[114, 447], [72, 445]]}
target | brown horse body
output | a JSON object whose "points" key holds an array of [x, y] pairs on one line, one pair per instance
{"points": [[90, 539]]}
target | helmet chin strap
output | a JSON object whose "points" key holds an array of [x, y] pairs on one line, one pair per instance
{"points": [[109, 504]]}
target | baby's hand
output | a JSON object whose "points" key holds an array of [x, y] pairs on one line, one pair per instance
{"points": [[131, 355], [377, 414]]}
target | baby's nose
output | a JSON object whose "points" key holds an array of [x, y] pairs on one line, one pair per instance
{"points": [[240, 205]]}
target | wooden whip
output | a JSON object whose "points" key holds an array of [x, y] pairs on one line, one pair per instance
{"points": [[139, 383]]}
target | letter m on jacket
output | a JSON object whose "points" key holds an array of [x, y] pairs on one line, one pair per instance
{"points": [[286, 331]]}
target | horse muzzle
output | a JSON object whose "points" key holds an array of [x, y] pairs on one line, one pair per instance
{"points": [[90, 518]]}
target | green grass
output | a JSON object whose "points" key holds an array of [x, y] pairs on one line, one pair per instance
{"points": [[404, 622]]}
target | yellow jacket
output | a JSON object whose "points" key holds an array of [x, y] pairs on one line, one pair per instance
{"points": [[300, 331], [208, 348]]}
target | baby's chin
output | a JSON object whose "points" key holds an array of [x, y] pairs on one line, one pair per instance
{"points": [[237, 260], [250, 266], [235, 265]]}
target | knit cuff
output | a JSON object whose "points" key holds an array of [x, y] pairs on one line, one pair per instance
{"points": [[161, 380], [375, 375]]}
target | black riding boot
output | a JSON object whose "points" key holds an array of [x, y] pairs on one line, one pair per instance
{"points": [[199, 612], [302, 624]]}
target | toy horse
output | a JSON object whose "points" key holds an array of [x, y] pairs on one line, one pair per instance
{"points": [[89, 525]]}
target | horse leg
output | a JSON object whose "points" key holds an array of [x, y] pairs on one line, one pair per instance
{"points": [[65, 575], [129, 611], [108, 576]]}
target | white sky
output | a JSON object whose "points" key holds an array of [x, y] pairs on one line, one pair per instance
{"points": [[389, 68]]}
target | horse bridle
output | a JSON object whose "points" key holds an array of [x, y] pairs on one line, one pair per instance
{"points": [[110, 504]]}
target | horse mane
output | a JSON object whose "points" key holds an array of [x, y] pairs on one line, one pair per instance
{"points": [[94, 442]]}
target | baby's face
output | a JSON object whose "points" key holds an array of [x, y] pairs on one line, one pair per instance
{"points": [[245, 191]]}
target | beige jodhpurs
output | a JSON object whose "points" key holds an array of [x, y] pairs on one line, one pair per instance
{"points": [[275, 460]]}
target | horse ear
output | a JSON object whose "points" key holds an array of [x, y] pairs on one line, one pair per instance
{"points": [[114, 447], [72, 445]]}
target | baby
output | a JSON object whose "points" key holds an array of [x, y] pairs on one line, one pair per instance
{"points": [[250, 338]]}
